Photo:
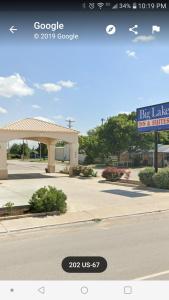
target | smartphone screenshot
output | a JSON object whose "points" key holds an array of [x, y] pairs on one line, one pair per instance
{"points": [[84, 150]]}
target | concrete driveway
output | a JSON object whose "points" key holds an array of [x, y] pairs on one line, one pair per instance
{"points": [[84, 195]]}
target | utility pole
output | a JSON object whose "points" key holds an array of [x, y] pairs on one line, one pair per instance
{"points": [[70, 121], [102, 120]]}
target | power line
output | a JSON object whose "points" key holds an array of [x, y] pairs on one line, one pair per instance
{"points": [[70, 121]]}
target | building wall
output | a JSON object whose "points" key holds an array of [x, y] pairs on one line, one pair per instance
{"points": [[62, 153], [146, 159], [59, 153]]}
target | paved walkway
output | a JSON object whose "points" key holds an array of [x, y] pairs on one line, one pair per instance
{"points": [[7, 226]]}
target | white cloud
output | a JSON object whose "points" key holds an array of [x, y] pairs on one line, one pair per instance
{"points": [[14, 85], [131, 53], [58, 117], [67, 83], [44, 119], [36, 106], [144, 38], [48, 87], [165, 69], [55, 87], [3, 110]]}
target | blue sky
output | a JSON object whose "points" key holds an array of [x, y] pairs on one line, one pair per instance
{"points": [[83, 81]]}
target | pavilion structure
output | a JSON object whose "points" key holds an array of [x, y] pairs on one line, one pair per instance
{"points": [[43, 132]]}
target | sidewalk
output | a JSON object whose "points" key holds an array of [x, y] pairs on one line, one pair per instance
{"points": [[7, 226], [87, 199]]}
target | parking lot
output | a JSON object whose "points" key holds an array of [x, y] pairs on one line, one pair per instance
{"points": [[89, 195]]}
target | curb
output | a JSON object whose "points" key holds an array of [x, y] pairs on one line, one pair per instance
{"points": [[121, 183], [13, 217], [136, 185], [93, 220]]}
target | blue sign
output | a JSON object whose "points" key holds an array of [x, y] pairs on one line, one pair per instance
{"points": [[153, 118]]}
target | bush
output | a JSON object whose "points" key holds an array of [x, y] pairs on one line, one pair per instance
{"points": [[77, 170], [85, 171], [113, 174], [14, 156], [88, 172], [9, 206], [161, 179], [48, 199], [146, 176]]}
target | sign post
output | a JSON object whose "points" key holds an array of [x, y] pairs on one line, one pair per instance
{"points": [[153, 118], [156, 151]]}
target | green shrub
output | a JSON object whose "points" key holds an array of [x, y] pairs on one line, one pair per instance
{"points": [[48, 199], [88, 172], [9, 207], [85, 171], [77, 170], [161, 179], [146, 176]]}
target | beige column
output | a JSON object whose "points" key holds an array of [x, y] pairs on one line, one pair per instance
{"points": [[3, 160], [73, 156], [51, 157]]}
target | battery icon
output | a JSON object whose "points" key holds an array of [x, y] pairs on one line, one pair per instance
{"points": [[134, 5]]}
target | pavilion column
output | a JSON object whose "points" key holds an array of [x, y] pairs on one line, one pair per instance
{"points": [[73, 156], [51, 157], [3, 160]]}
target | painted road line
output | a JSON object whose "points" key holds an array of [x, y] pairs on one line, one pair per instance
{"points": [[152, 275]]}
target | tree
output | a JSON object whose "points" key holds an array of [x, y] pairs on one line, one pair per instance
{"points": [[90, 146], [15, 149], [18, 150], [24, 150], [119, 133], [115, 133], [33, 153], [164, 137], [137, 140], [42, 150]]}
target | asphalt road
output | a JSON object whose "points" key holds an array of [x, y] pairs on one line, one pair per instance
{"points": [[135, 247]]}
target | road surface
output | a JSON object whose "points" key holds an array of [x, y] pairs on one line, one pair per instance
{"points": [[135, 248]]}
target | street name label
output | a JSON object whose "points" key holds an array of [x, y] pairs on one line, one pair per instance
{"points": [[153, 118], [84, 264]]}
